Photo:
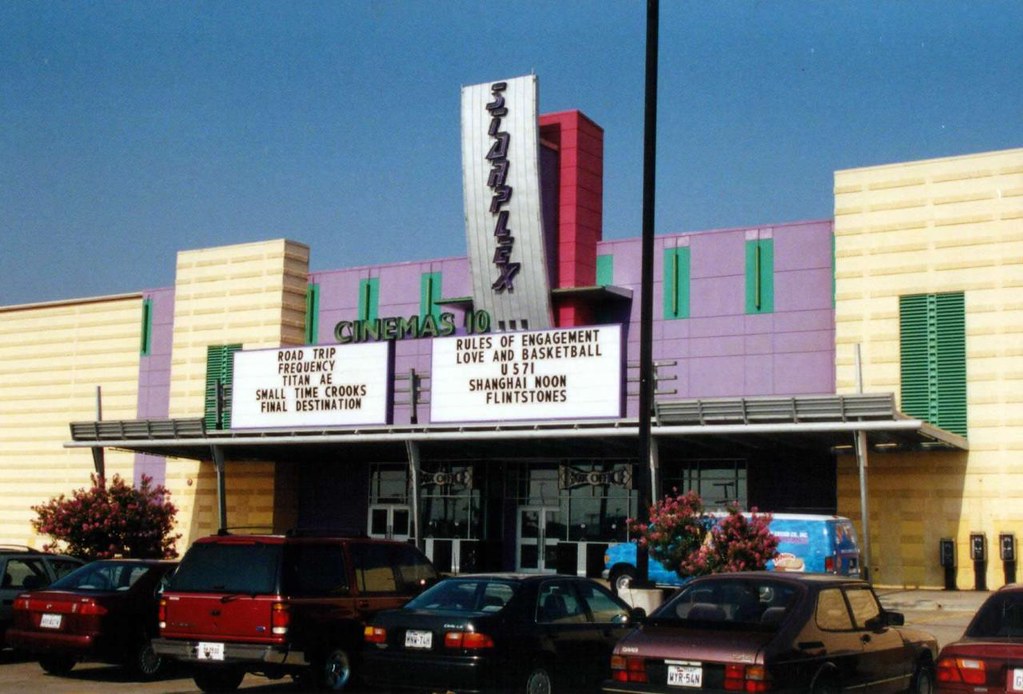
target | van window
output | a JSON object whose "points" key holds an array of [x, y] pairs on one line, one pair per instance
{"points": [[314, 569], [414, 570], [373, 572], [229, 568]]}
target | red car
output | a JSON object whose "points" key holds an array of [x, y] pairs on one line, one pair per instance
{"points": [[105, 611], [989, 656]]}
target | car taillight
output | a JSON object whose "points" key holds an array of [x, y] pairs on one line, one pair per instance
{"points": [[829, 564], [965, 670], [628, 669], [375, 634], [280, 618], [746, 678], [161, 614], [469, 640], [91, 608]]}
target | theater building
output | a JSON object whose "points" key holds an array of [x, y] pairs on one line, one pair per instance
{"points": [[486, 406]]}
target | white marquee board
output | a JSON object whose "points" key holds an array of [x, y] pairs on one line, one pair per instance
{"points": [[547, 374], [312, 385]]}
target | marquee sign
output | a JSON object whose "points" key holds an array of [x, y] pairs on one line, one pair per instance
{"points": [[552, 374], [503, 212], [321, 385]]}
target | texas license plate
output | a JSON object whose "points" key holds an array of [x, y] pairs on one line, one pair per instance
{"points": [[209, 650], [418, 639], [50, 621], [684, 674], [1016, 680]]}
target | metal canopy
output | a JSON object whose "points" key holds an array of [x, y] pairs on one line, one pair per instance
{"points": [[817, 423]]}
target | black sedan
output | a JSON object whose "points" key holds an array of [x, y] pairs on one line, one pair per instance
{"points": [[105, 611], [498, 632], [773, 632]]}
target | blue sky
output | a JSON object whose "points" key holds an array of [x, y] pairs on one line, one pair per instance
{"points": [[132, 130]]}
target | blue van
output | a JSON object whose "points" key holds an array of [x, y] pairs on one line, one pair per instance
{"points": [[806, 543]]}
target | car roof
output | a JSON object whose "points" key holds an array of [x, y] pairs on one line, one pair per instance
{"points": [[519, 577], [818, 579]]}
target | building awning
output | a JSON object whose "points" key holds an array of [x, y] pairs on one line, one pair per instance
{"points": [[824, 424]]}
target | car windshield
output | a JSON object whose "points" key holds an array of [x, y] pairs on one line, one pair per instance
{"points": [[753, 603], [102, 576], [215, 567], [466, 595], [1001, 615]]}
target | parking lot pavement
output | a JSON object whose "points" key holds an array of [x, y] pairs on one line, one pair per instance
{"points": [[19, 674], [945, 614]]}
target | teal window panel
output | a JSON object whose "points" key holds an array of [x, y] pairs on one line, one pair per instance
{"points": [[676, 282], [219, 371], [312, 314], [760, 276], [147, 328], [605, 270], [369, 298], [932, 344], [430, 294]]}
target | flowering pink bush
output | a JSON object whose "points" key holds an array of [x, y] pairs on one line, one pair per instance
{"points": [[683, 537], [736, 543], [111, 521], [677, 528]]}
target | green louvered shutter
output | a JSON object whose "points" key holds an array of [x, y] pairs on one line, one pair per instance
{"points": [[950, 312], [933, 358], [312, 314], [219, 369]]}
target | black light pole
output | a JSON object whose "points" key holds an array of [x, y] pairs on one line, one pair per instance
{"points": [[646, 361]]}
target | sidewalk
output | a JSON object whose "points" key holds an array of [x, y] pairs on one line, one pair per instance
{"points": [[927, 600]]}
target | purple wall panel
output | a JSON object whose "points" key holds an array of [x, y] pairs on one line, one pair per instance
{"points": [[154, 378]]}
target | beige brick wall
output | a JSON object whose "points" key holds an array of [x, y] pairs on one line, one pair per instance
{"points": [[953, 224], [250, 294], [52, 359]]}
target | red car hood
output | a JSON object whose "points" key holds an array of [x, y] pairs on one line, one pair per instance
{"points": [[666, 642]]}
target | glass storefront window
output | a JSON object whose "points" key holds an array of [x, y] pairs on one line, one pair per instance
{"points": [[388, 483], [718, 482], [450, 505]]}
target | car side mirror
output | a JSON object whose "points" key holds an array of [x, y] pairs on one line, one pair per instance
{"points": [[894, 619]]}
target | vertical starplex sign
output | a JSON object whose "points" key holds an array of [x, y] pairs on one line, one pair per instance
{"points": [[503, 213]]}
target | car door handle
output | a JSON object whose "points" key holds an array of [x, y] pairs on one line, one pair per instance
{"points": [[364, 604]]}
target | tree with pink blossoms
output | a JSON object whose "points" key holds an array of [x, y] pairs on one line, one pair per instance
{"points": [[106, 521], [684, 537]]}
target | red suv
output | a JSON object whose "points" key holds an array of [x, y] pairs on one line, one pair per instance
{"points": [[282, 605]]}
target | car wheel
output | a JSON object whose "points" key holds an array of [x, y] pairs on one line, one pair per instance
{"points": [[825, 685], [145, 662], [218, 679], [539, 681], [923, 679], [58, 664], [621, 578], [333, 670]]}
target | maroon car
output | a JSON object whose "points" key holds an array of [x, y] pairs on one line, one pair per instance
{"points": [[989, 656], [104, 611], [773, 632]]}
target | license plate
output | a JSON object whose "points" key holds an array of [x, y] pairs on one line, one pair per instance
{"points": [[685, 675], [1016, 680], [50, 621], [418, 639], [209, 650]]}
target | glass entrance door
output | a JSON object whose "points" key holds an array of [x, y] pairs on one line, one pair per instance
{"points": [[390, 521], [536, 548]]}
